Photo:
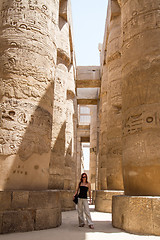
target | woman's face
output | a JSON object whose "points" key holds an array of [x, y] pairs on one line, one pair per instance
{"points": [[84, 177]]}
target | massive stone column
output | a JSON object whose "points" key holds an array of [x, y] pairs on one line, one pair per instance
{"points": [[114, 101], [71, 112], [28, 53], [141, 102], [70, 164], [93, 147], [141, 72], [27, 64], [63, 165], [102, 176], [57, 164], [111, 121]]}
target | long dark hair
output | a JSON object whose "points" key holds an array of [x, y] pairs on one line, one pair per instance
{"points": [[81, 180]]}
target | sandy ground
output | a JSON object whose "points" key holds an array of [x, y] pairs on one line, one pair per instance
{"points": [[70, 230]]}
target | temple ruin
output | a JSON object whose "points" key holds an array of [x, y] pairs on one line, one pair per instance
{"points": [[50, 108]]}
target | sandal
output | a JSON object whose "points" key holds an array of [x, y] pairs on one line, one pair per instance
{"points": [[91, 226], [82, 225]]}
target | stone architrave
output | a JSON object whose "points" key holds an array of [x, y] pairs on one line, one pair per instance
{"points": [[27, 66]]}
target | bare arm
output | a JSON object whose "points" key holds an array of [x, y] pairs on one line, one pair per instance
{"points": [[76, 192], [89, 188]]}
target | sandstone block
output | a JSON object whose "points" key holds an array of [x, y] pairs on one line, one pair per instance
{"points": [[156, 216], [20, 199], [18, 221], [56, 181], [103, 200], [47, 218], [5, 200], [120, 212], [1, 221], [44, 200], [67, 200], [138, 215]]}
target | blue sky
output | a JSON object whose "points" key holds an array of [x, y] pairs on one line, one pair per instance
{"points": [[88, 29]]}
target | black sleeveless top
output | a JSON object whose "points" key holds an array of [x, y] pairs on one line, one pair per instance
{"points": [[83, 192]]}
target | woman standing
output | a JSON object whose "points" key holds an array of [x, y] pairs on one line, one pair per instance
{"points": [[84, 186]]}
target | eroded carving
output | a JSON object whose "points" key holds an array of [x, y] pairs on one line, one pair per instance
{"points": [[26, 129], [136, 123], [23, 26], [133, 124], [44, 7]]}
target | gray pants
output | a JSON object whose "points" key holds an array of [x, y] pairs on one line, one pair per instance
{"points": [[82, 208]]}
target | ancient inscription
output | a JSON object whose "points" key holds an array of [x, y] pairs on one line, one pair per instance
{"points": [[115, 151], [44, 7], [32, 4], [138, 122], [11, 62], [19, 170], [13, 44], [93, 150], [132, 124], [25, 129]]}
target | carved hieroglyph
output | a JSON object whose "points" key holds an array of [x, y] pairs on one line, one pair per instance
{"points": [[27, 63], [141, 101]]}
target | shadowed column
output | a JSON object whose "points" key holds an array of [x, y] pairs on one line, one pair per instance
{"points": [[27, 64]]}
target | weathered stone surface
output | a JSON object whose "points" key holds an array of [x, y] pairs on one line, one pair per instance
{"points": [[20, 199], [103, 200], [70, 160], [140, 71], [37, 112], [18, 221], [110, 150], [93, 147], [140, 212], [103, 178], [120, 212], [138, 215], [1, 221], [5, 200], [47, 218], [29, 210], [28, 57], [67, 203], [44, 199], [64, 107], [156, 216]]}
